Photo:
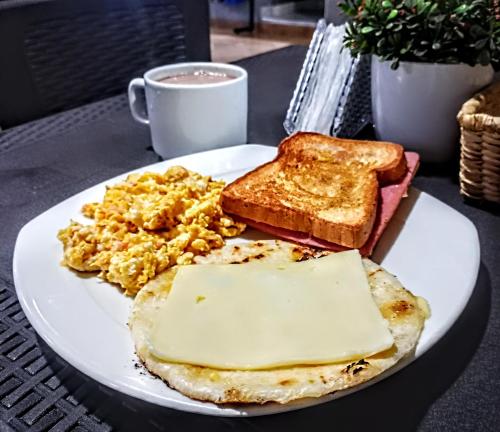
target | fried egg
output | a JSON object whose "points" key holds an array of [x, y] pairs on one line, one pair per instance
{"points": [[404, 312]]}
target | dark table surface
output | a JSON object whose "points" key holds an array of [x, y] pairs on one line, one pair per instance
{"points": [[454, 386]]}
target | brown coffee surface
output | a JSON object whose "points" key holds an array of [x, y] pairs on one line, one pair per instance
{"points": [[197, 77]]}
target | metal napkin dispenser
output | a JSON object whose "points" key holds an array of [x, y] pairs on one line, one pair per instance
{"points": [[332, 95]]}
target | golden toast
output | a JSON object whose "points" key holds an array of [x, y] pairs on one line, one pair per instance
{"points": [[323, 186]]}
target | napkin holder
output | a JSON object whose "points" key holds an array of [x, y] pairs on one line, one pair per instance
{"points": [[332, 95]]}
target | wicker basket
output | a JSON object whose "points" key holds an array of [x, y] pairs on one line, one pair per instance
{"points": [[479, 121]]}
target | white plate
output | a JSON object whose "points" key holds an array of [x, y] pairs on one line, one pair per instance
{"points": [[433, 250]]}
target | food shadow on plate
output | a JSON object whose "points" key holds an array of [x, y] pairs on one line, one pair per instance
{"points": [[398, 403], [83, 274], [251, 235], [395, 225], [94, 276]]}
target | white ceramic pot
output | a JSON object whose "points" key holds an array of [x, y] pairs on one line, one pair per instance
{"points": [[417, 104]]}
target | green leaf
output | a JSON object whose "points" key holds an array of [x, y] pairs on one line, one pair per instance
{"points": [[346, 9], [386, 4], [405, 49], [424, 7], [480, 44], [395, 64], [367, 29], [477, 30], [484, 57], [392, 14]]}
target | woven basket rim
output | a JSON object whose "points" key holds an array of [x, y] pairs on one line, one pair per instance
{"points": [[470, 119]]}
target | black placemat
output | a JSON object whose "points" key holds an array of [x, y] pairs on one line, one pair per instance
{"points": [[452, 387], [61, 123]]}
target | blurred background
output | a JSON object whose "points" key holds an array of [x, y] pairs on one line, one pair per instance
{"points": [[241, 28]]}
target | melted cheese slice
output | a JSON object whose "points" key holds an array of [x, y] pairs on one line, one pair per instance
{"points": [[262, 315]]}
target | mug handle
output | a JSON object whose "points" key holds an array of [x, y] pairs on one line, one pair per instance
{"points": [[137, 106]]}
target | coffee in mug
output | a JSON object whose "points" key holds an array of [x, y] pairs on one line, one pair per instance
{"points": [[197, 77], [191, 107]]}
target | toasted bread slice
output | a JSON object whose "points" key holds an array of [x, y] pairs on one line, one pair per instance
{"points": [[387, 159], [326, 187]]}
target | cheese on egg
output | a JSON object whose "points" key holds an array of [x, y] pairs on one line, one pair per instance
{"points": [[266, 315]]}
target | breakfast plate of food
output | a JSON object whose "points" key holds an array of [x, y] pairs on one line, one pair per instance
{"points": [[249, 280]]}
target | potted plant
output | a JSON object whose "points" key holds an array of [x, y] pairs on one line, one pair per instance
{"points": [[428, 58]]}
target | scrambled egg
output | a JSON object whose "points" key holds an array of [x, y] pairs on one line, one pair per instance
{"points": [[146, 224]]}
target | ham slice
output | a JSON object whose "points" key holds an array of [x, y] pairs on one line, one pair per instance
{"points": [[390, 197]]}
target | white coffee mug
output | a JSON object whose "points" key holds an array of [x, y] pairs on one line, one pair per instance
{"points": [[189, 118]]}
